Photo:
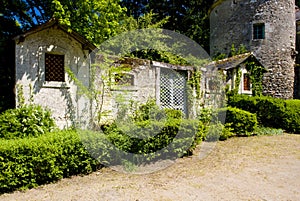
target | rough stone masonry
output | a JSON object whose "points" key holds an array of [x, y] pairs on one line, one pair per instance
{"points": [[266, 28]]}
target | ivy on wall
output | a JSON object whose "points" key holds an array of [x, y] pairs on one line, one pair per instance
{"points": [[256, 73]]}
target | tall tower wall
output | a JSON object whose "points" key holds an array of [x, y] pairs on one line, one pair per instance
{"points": [[267, 28]]}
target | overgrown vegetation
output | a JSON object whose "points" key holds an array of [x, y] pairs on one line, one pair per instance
{"points": [[39, 159], [145, 134], [27, 121]]}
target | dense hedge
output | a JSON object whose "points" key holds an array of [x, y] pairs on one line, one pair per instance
{"points": [[29, 120], [271, 112], [292, 116], [30, 162], [242, 122], [176, 136]]}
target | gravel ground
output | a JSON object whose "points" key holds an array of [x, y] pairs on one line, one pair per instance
{"points": [[254, 168]]}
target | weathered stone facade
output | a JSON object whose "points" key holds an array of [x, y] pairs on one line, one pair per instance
{"points": [[144, 80], [54, 66], [233, 21], [61, 97]]}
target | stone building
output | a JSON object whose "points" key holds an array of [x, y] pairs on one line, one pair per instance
{"points": [[50, 61], [266, 28], [144, 80], [43, 56], [235, 66]]}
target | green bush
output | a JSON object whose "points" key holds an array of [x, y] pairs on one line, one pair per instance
{"points": [[218, 131], [176, 137], [242, 122], [271, 112], [29, 162], [29, 120], [291, 118]]}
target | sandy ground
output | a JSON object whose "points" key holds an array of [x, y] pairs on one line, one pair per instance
{"points": [[255, 168]]}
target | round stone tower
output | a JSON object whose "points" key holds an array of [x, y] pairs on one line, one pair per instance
{"points": [[266, 28]]}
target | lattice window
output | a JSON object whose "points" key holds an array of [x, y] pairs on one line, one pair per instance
{"points": [[54, 67], [173, 90]]}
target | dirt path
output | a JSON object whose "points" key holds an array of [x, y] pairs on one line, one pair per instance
{"points": [[255, 168]]}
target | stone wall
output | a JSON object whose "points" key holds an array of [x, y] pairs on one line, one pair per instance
{"points": [[145, 85], [232, 23]]}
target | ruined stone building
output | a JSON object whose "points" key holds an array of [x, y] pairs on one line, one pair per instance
{"points": [[266, 28], [54, 66]]}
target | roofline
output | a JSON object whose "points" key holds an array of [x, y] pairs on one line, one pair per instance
{"points": [[229, 59], [86, 44]]}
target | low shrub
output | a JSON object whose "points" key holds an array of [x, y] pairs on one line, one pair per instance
{"points": [[270, 111], [267, 131], [291, 118], [242, 122], [29, 120], [173, 137], [29, 162], [218, 131]]}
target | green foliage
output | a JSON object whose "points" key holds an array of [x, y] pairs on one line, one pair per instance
{"points": [[237, 81], [29, 162], [29, 120], [190, 18], [218, 131], [271, 112], [241, 50], [242, 122], [149, 129], [256, 73], [94, 19], [292, 116], [267, 131], [233, 52], [195, 83]]}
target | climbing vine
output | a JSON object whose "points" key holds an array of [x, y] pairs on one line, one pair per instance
{"points": [[194, 82], [237, 81], [256, 73]]}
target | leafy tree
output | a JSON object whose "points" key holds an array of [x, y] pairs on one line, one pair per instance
{"points": [[186, 17], [97, 20]]}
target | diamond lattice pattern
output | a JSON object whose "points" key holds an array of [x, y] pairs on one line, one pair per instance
{"points": [[173, 89], [54, 67]]}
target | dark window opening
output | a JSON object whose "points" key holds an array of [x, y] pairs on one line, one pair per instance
{"points": [[247, 83], [258, 31], [124, 79], [54, 67]]}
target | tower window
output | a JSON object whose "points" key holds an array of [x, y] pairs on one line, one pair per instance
{"points": [[259, 31]]}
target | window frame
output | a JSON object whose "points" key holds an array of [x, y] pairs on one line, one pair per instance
{"points": [[259, 31], [247, 80], [61, 67]]}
